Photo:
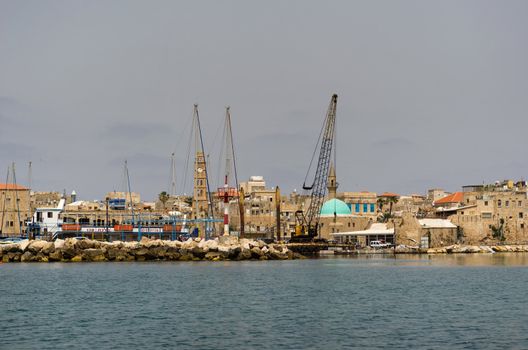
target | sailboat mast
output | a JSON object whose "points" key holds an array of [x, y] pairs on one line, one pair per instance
{"points": [[202, 148], [227, 168], [172, 190], [5, 199], [29, 216], [129, 192], [16, 200]]}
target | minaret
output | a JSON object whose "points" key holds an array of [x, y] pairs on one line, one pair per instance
{"points": [[332, 183], [199, 204]]}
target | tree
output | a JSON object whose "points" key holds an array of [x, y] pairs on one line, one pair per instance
{"points": [[163, 197], [498, 231]]}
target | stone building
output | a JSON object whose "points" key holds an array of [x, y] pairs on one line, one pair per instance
{"points": [[259, 209], [425, 233], [362, 203], [493, 214], [15, 210]]}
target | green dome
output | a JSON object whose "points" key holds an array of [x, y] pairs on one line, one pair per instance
{"points": [[335, 206]]}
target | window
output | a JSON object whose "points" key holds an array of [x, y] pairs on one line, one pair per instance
{"points": [[365, 207], [521, 215], [372, 207], [349, 224], [519, 203], [486, 203], [50, 215], [499, 203], [507, 203], [357, 207], [522, 225], [486, 215]]}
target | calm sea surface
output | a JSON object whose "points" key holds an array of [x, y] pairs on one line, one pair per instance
{"points": [[447, 302]]}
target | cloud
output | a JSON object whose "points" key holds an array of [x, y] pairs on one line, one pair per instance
{"points": [[392, 143], [137, 131]]}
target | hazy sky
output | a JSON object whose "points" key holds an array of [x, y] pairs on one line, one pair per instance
{"points": [[431, 93]]}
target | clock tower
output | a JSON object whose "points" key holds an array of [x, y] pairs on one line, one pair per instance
{"points": [[199, 204]]}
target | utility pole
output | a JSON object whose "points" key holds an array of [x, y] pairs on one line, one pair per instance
{"points": [[277, 212], [107, 216]]}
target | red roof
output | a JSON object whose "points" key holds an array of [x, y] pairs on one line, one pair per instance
{"points": [[389, 194], [10, 187], [457, 197]]}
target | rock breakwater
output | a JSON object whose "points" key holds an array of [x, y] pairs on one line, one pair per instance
{"points": [[77, 250], [464, 249]]}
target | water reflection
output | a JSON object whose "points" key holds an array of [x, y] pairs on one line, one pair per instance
{"points": [[498, 259]]}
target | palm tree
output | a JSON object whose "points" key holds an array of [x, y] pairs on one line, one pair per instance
{"points": [[163, 197], [391, 200]]}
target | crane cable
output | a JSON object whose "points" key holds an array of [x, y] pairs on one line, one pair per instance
{"points": [[313, 156]]}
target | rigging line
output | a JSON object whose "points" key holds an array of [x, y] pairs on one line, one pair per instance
{"points": [[29, 217], [210, 206], [5, 198], [186, 168], [220, 156], [129, 192], [233, 150], [183, 130], [16, 201], [315, 151]]}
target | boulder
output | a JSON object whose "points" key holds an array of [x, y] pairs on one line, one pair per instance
{"points": [[59, 243], [245, 254], [245, 243], [172, 253], [276, 254], [23, 245], [55, 256], [27, 256], [228, 240], [93, 254], [36, 245], [11, 248], [212, 245], [256, 253], [48, 248], [199, 252], [14, 256], [76, 258], [486, 249], [185, 257], [214, 256]]}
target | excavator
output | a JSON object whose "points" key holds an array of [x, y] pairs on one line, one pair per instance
{"points": [[307, 222]]}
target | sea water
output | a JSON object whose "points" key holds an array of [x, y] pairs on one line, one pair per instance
{"points": [[434, 302]]}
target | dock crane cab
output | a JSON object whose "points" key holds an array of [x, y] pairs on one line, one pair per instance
{"points": [[307, 221]]}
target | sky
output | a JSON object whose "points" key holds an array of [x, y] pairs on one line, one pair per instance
{"points": [[432, 94]]}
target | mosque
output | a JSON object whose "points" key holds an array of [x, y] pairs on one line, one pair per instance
{"points": [[336, 216]]}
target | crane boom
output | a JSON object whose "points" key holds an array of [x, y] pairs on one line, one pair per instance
{"points": [[310, 218]]}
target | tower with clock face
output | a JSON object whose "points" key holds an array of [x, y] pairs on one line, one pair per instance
{"points": [[199, 205]]}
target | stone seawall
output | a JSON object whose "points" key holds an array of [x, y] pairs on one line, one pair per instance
{"points": [[464, 249], [74, 250]]}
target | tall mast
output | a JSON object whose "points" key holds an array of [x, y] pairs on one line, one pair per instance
{"points": [[172, 189], [29, 217], [228, 192], [5, 199], [200, 153], [16, 200], [127, 176]]}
